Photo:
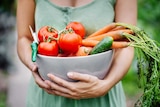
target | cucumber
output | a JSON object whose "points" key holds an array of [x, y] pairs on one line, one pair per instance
{"points": [[104, 45]]}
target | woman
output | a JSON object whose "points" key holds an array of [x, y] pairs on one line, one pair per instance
{"points": [[94, 14]]}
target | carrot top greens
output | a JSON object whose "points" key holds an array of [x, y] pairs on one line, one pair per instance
{"points": [[148, 63]]}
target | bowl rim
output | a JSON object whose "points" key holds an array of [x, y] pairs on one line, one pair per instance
{"points": [[75, 57]]}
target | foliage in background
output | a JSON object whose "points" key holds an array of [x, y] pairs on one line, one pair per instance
{"points": [[7, 5], [7, 10], [3, 99], [149, 17]]}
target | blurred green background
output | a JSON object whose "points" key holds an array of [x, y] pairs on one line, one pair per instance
{"points": [[148, 19]]}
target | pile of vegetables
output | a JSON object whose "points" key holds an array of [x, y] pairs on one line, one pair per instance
{"points": [[72, 42]]}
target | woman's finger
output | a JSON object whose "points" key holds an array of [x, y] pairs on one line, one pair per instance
{"points": [[55, 92], [80, 76], [57, 87], [38, 79], [59, 81], [67, 95]]}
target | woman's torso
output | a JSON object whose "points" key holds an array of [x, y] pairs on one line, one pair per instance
{"points": [[71, 3], [93, 15]]}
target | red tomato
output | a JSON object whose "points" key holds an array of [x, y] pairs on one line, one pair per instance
{"points": [[69, 42], [47, 32], [48, 48], [77, 27]]}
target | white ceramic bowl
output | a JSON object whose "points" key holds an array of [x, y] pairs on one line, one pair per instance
{"points": [[96, 65]]}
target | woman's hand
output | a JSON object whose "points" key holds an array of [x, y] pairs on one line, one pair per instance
{"points": [[87, 86], [39, 81]]}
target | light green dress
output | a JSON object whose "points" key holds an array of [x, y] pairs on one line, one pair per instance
{"points": [[94, 16]]}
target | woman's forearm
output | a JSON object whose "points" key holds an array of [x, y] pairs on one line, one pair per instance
{"points": [[24, 51], [120, 66], [123, 57], [25, 18]]}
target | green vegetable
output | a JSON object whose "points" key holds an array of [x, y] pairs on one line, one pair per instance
{"points": [[34, 47], [148, 62], [104, 45]]}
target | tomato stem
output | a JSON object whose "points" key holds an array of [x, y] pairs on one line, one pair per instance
{"points": [[51, 29]]}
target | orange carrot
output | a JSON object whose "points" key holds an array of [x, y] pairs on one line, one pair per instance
{"points": [[89, 42], [116, 45], [83, 51], [116, 35], [103, 30], [118, 28]]}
